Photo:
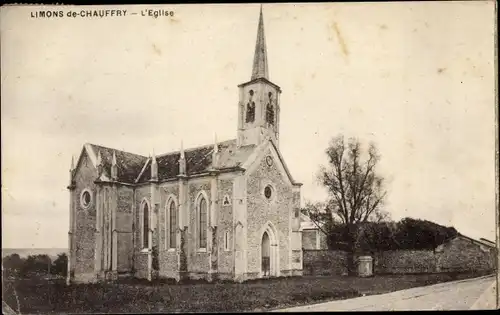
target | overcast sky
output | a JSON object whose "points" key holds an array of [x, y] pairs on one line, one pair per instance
{"points": [[415, 78]]}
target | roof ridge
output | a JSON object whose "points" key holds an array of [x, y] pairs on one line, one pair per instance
{"points": [[109, 148], [194, 148]]}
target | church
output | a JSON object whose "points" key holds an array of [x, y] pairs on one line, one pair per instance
{"points": [[227, 210]]}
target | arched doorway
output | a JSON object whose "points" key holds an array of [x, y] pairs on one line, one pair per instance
{"points": [[269, 252], [266, 251]]}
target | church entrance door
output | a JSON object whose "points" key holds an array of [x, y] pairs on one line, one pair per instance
{"points": [[269, 252]]}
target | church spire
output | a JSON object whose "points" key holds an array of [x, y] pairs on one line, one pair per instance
{"points": [[260, 58]]}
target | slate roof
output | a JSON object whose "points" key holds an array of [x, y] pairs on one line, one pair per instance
{"points": [[129, 164], [135, 168], [198, 160]]}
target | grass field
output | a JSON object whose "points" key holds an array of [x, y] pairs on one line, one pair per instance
{"points": [[136, 296]]}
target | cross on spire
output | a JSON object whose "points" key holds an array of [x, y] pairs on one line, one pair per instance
{"points": [[260, 58]]}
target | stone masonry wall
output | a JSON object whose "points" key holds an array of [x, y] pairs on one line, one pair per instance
{"points": [[462, 254], [278, 210], [85, 221], [225, 225], [124, 222], [140, 258], [458, 255], [197, 260], [404, 261], [324, 262], [168, 257]]}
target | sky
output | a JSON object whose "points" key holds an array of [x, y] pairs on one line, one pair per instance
{"points": [[415, 78]]}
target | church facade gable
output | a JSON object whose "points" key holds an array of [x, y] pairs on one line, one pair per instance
{"points": [[271, 205], [83, 200], [270, 152]]}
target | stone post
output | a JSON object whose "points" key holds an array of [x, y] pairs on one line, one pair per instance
{"points": [[183, 216], [114, 235], [212, 237], [240, 228], [153, 261], [98, 231]]}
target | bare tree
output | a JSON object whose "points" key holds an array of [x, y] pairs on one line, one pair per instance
{"points": [[355, 191]]}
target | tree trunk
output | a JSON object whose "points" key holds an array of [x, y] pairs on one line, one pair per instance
{"points": [[351, 264], [351, 249]]}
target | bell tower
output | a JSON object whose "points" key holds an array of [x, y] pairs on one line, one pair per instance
{"points": [[259, 99]]}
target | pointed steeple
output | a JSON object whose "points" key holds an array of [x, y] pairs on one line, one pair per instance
{"points": [[182, 161], [114, 167], [154, 167], [260, 58]]}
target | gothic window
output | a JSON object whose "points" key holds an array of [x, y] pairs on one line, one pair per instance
{"points": [[172, 226], [250, 117], [202, 222], [250, 114], [226, 240], [145, 225], [270, 110]]}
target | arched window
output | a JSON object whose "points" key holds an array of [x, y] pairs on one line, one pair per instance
{"points": [[270, 110], [270, 114], [172, 227], [202, 222], [145, 225], [250, 116]]}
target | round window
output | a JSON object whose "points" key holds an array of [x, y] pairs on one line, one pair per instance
{"points": [[268, 192], [86, 199]]}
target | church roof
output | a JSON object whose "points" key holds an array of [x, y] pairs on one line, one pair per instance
{"points": [[135, 168], [128, 164], [198, 160], [260, 68]]}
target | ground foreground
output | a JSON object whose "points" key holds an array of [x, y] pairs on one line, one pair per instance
{"points": [[472, 294], [30, 296]]}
